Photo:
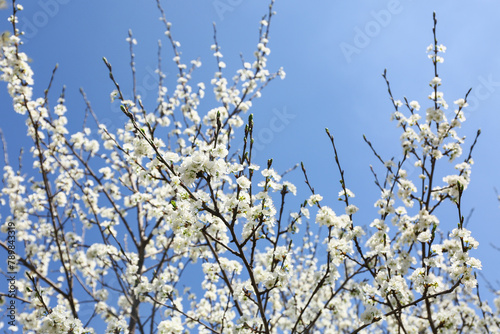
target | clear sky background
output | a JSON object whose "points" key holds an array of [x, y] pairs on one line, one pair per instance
{"points": [[333, 52]]}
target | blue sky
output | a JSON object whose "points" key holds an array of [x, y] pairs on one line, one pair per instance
{"points": [[333, 52]]}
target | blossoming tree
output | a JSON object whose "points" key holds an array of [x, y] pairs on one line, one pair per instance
{"points": [[107, 231]]}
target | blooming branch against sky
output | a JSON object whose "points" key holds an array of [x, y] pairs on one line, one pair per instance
{"points": [[196, 199]]}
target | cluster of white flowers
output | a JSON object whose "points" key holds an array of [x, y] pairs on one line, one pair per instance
{"points": [[59, 321]]}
